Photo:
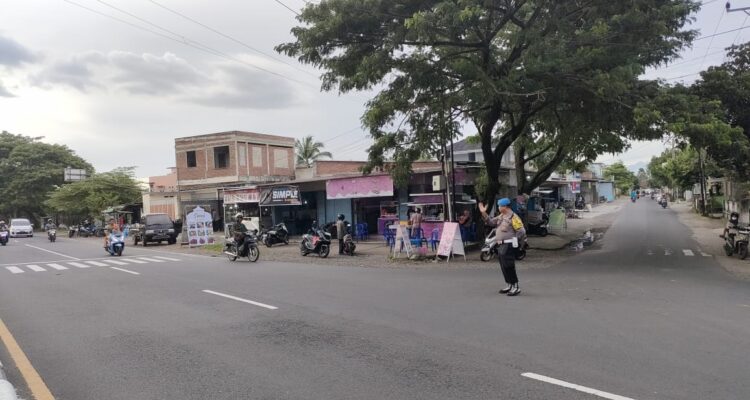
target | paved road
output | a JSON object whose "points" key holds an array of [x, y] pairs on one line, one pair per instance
{"points": [[645, 316]]}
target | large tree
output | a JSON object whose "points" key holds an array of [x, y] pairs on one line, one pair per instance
{"points": [[97, 193], [625, 180], [29, 171], [494, 64], [308, 151]]}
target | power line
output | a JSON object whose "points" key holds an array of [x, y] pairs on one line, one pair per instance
{"points": [[231, 38], [712, 39], [342, 134], [184, 40], [287, 7], [721, 33]]}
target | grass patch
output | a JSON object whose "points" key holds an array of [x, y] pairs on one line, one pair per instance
{"points": [[217, 247]]}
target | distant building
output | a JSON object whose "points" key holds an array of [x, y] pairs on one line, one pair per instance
{"points": [[162, 195]]}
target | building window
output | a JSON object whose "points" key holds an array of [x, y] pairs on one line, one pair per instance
{"points": [[280, 158], [473, 157], [191, 161], [221, 157], [257, 156], [243, 155]]}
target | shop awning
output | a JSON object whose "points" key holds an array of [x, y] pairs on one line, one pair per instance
{"points": [[359, 187], [287, 195]]}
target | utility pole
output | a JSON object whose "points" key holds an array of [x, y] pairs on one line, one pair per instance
{"points": [[703, 182]]}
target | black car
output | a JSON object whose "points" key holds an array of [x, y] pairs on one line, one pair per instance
{"points": [[155, 228]]}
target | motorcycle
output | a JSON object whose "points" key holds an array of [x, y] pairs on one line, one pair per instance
{"points": [[317, 241], [663, 202], [349, 245], [4, 234], [72, 231], [233, 246], [52, 235], [277, 234], [540, 227], [491, 247], [116, 244], [736, 237]]}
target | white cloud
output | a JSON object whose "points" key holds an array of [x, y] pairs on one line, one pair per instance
{"points": [[13, 54]]}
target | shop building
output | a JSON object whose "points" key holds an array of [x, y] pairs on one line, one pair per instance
{"points": [[208, 165], [162, 195]]}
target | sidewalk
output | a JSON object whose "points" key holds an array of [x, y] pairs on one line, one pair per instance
{"points": [[706, 232]]}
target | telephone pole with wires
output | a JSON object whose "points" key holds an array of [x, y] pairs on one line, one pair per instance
{"points": [[746, 10]]}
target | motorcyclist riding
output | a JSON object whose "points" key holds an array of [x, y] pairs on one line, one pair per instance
{"points": [[112, 226], [241, 230], [3, 225], [49, 225]]}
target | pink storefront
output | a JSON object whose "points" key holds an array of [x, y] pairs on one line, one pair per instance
{"points": [[372, 199]]}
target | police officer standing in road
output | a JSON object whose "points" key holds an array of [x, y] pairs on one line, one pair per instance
{"points": [[340, 232], [509, 226]]}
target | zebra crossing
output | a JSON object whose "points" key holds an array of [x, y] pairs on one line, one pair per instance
{"points": [[665, 251], [84, 264]]}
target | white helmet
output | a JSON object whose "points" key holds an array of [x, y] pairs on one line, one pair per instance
{"points": [[238, 216]]}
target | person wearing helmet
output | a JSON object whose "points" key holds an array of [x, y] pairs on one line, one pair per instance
{"points": [[49, 225], [509, 226], [241, 229], [3, 225], [340, 232]]}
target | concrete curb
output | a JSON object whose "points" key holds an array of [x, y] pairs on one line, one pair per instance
{"points": [[7, 392]]}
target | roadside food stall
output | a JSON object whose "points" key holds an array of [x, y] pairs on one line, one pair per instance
{"points": [[245, 201], [388, 215], [433, 213], [372, 199]]}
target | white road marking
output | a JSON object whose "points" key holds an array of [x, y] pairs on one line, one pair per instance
{"points": [[667, 252], [96, 263], [36, 268], [115, 262], [167, 258], [573, 386], [133, 260], [53, 252], [57, 267], [151, 259], [79, 265], [705, 254], [228, 296], [688, 252], [126, 270], [15, 270], [650, 252]]}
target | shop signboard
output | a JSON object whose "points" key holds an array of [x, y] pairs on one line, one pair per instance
{"points": [[402, 242], [198, 226], [359, 187], [280, 196], [575, 187], [450, 241], [241, 196]]}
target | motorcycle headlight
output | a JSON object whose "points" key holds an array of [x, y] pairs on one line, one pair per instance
{"points": [[149, 231]]}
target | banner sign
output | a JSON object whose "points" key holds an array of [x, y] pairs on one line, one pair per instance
{"points": [[198, 226], [575, 187], [280, 196], [359, 187], [450, 241], [241, 196]]}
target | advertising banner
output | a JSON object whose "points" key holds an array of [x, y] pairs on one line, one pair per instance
{"points": [[575, 187], [241, 196], [198, 226], [280, 196], [359, 187]]}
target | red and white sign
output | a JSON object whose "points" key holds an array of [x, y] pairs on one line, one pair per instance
{"points": [[575, 187], [241, 196]]}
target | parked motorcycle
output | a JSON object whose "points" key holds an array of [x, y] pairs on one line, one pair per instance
{"points": [[277, 234], [349, 245], [491, 247], [72, 231], [4, 235], [317, 241], [116, 243], [736, 237], [233, 246], [52, 235], [540, 227]]}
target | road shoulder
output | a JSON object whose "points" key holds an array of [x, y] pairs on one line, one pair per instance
{"points": [[706, 232]]}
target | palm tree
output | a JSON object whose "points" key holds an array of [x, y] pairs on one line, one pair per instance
{"points": [[309, 151]]}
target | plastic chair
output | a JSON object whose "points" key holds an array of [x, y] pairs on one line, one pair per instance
{"points": [[360, 232], [473, 232], [365, 231], [435, 239], [418, 238], [390, 238]]}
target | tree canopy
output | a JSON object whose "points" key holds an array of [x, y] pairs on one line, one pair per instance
{"points": [[93, 195], [500, 66], [31, 169], [625, 180], [309, 151]]}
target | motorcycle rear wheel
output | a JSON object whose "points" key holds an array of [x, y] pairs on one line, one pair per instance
{"points": [[742, 252], [486, 256], [253, 254], [728, 250], [302, 249]]}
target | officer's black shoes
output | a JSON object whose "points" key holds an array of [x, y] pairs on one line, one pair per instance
{"points": [[506, 290], [514, 291]]}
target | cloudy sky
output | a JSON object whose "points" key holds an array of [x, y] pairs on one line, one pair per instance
{"points": [[118, 80]]}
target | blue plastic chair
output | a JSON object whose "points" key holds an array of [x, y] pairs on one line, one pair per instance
{"points": [[418, 238], [360, 232], [365, 231], [435, 239], [390, 238], [473, 232]]}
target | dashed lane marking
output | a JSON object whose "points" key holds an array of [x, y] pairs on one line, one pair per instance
{"points": [[151, 259], [229, 296], [167, 258], [14, 270], [115, 262], [688, 252], [133, 260], [574, 386], [36, 268], [126, 270], [57, 267]]}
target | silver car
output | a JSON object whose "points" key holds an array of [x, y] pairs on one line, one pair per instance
{"points": [[21, 227]]}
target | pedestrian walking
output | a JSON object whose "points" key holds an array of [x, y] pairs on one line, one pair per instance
{"points": [[509, 226]]}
